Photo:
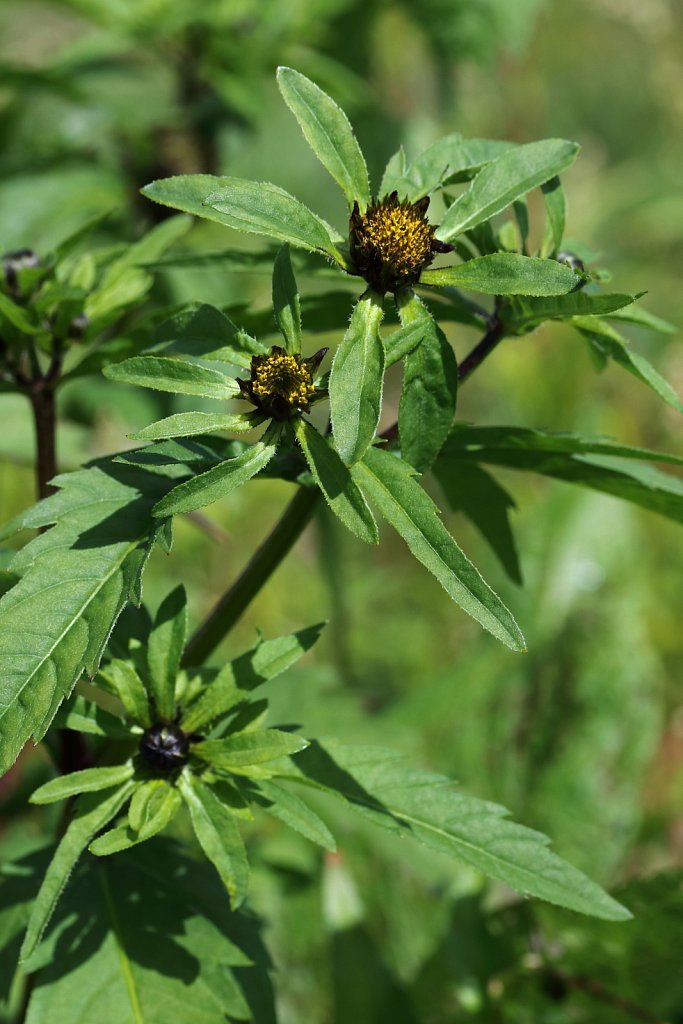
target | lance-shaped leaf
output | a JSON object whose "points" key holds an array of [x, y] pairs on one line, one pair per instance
{"points": [[429, 392], [589, 462], [190, 424], [84, 715], [90, 780], [286, 304], [240, 677], [449, 159], [335, 481], [428, 808], [290, 809], [204, 332], [121, 679], [164, 651], [217, 482], [328, 133], [260, 208], [391, 484], [75, 580], [610, 344], [174, 375], [508, 177], [505, 273], [639, 316], [239, 751], [473, 491], [153, 806], [556, 212], [93, 813], [526, 313], [405, 339], [218, 836], [356, 380]]}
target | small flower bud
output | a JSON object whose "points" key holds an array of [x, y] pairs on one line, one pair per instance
{"points": [[165, 747]]}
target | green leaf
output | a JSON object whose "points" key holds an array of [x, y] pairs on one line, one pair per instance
{"points": [[636, 315], [164, 651], [17, 316], [404, 340], [121, 678], [217, 482], [86, 716], [527, 313], [609, 343], [589, 462], [174, 375], [328, 133], [505, 273], [451, 158], [203, 332], [153, 806], [93, 813], [335, 481], [356, 380], [218, 836], [155, 942], [391, 484], [429, 392], [240, 677], [508, 177], [87, 781], [240, 750], [396, 167], [428, 808], [290, 809], [190, 424], [286, 301], [471, 490], [556, 212]]}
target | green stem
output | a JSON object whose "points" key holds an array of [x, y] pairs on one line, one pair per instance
{"points": [[260, 568]]}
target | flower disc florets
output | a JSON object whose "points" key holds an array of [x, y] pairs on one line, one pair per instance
{"points": [[281, 383], [392, 241], [165, 747]]}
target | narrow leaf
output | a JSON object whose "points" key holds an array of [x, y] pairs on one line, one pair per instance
{"points": [[87, 781], [122, 679], [505, 273], [508, 177], [286, 301], [405, 339], [242, 749], [218, 836], [532, 311], [356, 380], [93, 813], [190, 424], [153, 806], [290, 809], [409, 509], [328, 133], [164, 651], [335, 481], [174, 375], [216, 483], [555, 211]]}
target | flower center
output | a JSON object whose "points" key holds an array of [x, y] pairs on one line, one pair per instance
{"points": [[284, 377], [392, 241], [165, 747]]}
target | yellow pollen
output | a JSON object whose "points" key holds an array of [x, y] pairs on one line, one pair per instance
{"points": [[280, 375], [398, 234]]}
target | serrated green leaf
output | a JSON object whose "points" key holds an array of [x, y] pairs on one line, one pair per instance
{"points": [[203, 332], [286, 301], [529, 312], [174, 375], [471, 490], [334, 479], [328, 133], [428, 808], [164, 650], [449, 159], [590, 462], [193, 961], [89, 780], [506, 178], [84, 715], [391, 484], [294, 812], [239, 751], [217, 482], [240, 677], [505, 273], [92, 814], [218, 836], [609, 343], [429, 392], [356, 380], [121, 678], [153, 806], [396, 167], [191, 424]]}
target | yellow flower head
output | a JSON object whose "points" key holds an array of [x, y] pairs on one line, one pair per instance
{"points": [[282, 384]]}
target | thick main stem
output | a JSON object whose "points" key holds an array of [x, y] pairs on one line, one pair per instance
{"points": [[260, 567]]}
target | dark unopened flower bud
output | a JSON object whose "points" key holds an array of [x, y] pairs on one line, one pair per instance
{"points": [[282, 384], [16, 261], [392, 242], [165, 747], [571, 260]]}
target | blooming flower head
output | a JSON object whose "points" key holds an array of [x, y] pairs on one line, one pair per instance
{"points": [[282, 384]]}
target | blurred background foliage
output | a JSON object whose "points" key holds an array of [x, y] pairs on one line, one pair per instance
{"points": [[583, 736]]}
